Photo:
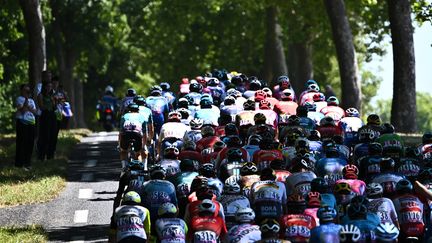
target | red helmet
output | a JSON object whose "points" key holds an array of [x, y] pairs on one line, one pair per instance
{"points": [[174, 116], [260, 95], [264, 105], [318, 97], [350, 172], [313, 199]]}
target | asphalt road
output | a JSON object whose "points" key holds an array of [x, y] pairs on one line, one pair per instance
{"points": [[82, 211]]}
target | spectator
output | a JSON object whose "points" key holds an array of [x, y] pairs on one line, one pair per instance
{"points": [[25, 127], [47, 135]]}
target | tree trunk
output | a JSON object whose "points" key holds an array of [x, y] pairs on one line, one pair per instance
{"points": [[36, 36], [403, 114], [343, 40], [79, 104], [274, 61], [300, 64]]}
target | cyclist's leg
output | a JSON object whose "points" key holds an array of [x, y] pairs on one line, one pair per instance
{"points": [[124, 144]]}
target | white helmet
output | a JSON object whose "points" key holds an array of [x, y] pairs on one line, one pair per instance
{"points": [[196, 124], [349, 232], [245, 215], [109, 88], [374, 189], [231, 186], [387, 232]]}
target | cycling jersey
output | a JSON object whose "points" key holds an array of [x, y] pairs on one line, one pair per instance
{"points": [[249, 94], [367, 228], [192, 210], [408, 167], [315, 116], [216, 186], [267, 199], [307, 97], [328, 131], [357, 186], [228, 169], [171, 230], [330, 169], [286, 107], [307, 123], [246, 183], [315, 148], [296, 227], [173, 130], [156, 192], [273, 101], [207, 229], [299, 183], [263, 158], [132, 122], [217, 93], [388, 182], [223, 154], [131, 221], [245, 118], [426, 151], [360, 150], [195, 97], [244, 233], [210, 116], [182, 182], [369, 167], [159, 107], [193, 155], [232, 203], [324, 233], [384, 209], [281, 175], [206, 143], [271, 117], [169, 96], [229, 112], [251, 149], [392, 144], [125, 102], [192, 135], [410, 214], [334, 112], [350, 127], [171, 166]]}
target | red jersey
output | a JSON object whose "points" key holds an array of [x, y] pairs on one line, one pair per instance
{"points": [[273, 101], [329, 131], [286, 107], [263, 158], [281, 175], [223, 153], [296, 227], [207, 228], [205, 143]]}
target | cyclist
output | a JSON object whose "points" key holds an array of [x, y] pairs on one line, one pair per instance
{"points": [[229, 110], [168, 94], [195, 93], [313, 114], [249, 175], [320, 185], [283, 84], [159, 107], [189, 152], [216, 90], [195, 133], [391, 142], [381, 206], [207, 226], [208, 112], [170, 161], [373, 123], [108, 99], [208, 139], [426, 146], [132, 125], [130, 95], [307, 123], [350, 125], [273, 101], [232, 201], [245, 118], [330, 167], [172, 132], [286, 105], [328, 128], [270, 232], [130, 222], [253, 144], [387, 177], [168, 227], [254, 86], [327, 231], [368, 156], [307, 96], [244, 230], [149, 131], [132, 178], [333, 110], [260, 127], [267, 153], [350, 176]]}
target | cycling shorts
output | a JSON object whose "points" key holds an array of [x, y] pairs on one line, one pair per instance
{"points": [[128, 137], [132, 239]]}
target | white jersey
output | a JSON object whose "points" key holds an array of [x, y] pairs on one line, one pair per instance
{"points": [[232, 203], [244, 233], [131, 221], [171, 230], [384, 209], [299, 183], [173, 130]]}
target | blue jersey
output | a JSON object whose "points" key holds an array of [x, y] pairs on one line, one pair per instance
{"points": [[159, 107], [325, 233], [328, 199], [111, 100], [132, 122], [156, 192], [146, 113], [330, 169], [307, 123], [315, 116], [208, 115], [194, 97]]}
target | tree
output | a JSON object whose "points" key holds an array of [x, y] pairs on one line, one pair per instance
{"points": [[36, 36], [403, 113], [343, 40]]}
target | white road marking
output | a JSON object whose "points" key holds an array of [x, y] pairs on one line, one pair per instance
{"points": [[77, 239], [85, 193], [103, 133], [87, 176], [80, 216], [90, 163], [94, 153]]}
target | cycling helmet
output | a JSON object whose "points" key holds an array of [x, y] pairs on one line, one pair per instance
{"points": [[268, 91], [218, 146], [245, 215], [188, 165], [374, 119], [282, 78], [342, 188], [237, 80], [131, 197], [174, 116], [231, 92], [131, 93], [326, 214], [183, 112], [311, 106], [254, 139], [233, 141], [229, 100], [314, 135], [167, 209], [404, 186], [255, 85], [313, 199], [199, 183], [332, 100], [207, 170], [294, 120], [213, 82], [269, 226], [132, 107], [309, 82], [234, 154], [165, 86], [374, 189], [327, 121], [287, 94], [183, 103], [207, 131], [248, 168], [387, 164], [318, 97], [109, 89], [356, 210], [319, 184], [268, 174], [264, 105], [349, 233], [425, 176], [135, 165], [260, 95], [386, 232], [139, 100], [231, 186], [359, 200], [367, 135], [171, 152], [388, 128], [196, 87], [249, 105], [207, 206], [231, 129], [313, 88], [260, 118], [375, 148], [350, 172], [196, 124], [157, 171], [427, 138], [352, 112], [205, 103], [412, 152], [155, 90]]}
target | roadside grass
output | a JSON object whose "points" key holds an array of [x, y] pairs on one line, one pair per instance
{"points": [[46, 179], [30, 233]]}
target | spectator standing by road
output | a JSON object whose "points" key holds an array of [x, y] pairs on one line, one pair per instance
{"points": [[25, 127], [47, 135]]}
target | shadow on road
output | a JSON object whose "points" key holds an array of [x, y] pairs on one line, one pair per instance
{"points": [[97, 233]]}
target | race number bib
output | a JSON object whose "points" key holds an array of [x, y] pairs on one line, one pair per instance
{"points": [[205, 237], [297, 230]]}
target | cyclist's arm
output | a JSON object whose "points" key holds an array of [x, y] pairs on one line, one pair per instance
{"points": [[422, 190], [147, 222]]}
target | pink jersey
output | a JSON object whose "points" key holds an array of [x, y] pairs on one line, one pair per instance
{"points": [[334, 112], [357, 186]]}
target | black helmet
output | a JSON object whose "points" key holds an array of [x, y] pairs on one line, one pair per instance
{"points": [[319, 184], [427, 138], [131, 93], [404, 186], [234, 154], [254, 139], [388, 128], [132, 107], [165, 86], [207, 170], [234, 141], [357, 211], [302, 110], [157, 172], [139, 100], [375, 148], [231, 129], [387, 164], [195, 87]]}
